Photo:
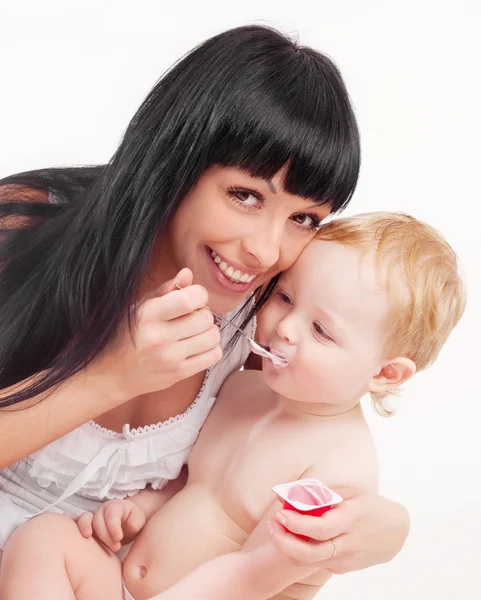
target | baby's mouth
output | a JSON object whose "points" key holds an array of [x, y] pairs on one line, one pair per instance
{"points": [[278, 359]]}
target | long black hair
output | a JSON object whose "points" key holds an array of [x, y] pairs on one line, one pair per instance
{"points": [[249, 97]]}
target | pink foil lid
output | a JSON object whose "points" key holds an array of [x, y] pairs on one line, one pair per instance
{"points": [[307, 494]]}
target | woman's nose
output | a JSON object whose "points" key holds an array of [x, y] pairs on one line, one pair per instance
{"points": [[264, 244]]}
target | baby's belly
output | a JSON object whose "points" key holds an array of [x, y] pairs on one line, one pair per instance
{"points": [[188, 531]]}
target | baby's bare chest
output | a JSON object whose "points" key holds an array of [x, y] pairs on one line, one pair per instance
{"points": [[241, 464]]}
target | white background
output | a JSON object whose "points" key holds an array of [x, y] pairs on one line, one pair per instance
{"points": [[72, 75]]}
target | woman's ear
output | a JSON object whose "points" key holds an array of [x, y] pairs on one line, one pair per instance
{"points": [[392, 374]]}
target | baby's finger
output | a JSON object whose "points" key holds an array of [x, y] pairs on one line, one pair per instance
{"points": [[102, 532], [135, 522], [113, 520], [84, 523]]}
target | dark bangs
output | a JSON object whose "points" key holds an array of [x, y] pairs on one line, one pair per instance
{"points": [[249, 97], [294, 112]]}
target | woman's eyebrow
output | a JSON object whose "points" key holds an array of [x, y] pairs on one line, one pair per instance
{"points": [[271, 186]]}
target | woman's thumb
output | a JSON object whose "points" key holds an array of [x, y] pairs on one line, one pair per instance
{"points": [[183, 279]]}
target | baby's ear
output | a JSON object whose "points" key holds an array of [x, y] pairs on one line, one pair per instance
{"points": [[393, 373]]}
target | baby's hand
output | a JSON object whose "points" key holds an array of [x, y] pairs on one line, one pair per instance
{"points": [[116, 522]]}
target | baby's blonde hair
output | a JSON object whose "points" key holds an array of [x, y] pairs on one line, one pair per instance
{"points": [[421, 274]]}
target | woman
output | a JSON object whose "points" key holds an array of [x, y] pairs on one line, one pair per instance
{"points": [[227, 168]]}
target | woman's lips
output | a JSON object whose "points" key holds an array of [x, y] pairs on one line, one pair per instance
{"points": [[222, 279]]}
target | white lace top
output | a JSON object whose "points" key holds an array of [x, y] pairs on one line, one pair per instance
{"points": [[91, 464]]}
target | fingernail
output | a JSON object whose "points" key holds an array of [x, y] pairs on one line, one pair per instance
{"points": [[282, 519]]}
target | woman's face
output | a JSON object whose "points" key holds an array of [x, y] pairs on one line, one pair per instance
{"points": [[235, 232]]}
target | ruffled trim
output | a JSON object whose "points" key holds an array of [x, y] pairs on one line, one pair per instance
{"points": [[156, 426], [95, 466], [100, 463]]}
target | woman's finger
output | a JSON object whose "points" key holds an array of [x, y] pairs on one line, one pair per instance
{"points": [[203, 342], [305, 552], [175, 304], [190, 325], [183, 279], [200, 362], [329, 525]]}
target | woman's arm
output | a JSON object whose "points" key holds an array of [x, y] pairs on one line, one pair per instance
{"points": [[26, 427], [162, 354], [367, 529], [30, 425], [15, 192], [174, 338]]}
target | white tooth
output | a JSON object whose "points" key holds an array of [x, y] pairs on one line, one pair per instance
{"points": [[217, 260], [250, 278], [229, 271], [244, 278], [223, 266], [213, 253], [236, 274]]}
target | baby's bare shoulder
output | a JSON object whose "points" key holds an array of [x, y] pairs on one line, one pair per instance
{"points": [[347, 457], [241, 393]]}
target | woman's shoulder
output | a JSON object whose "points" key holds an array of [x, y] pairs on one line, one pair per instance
{"points": [[19, 194], [15, 192]]}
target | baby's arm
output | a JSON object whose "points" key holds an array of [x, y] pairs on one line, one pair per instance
{"points": [[256, 572], [150, 501], [118, 522], [260, 570]]}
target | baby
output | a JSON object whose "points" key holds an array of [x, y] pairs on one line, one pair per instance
{"points": [[369, 302]]}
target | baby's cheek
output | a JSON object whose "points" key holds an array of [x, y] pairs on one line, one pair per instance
{"points": [[323, 376], [265, 323]]}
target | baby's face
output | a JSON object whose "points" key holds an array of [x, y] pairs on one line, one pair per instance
{"points": [[329, 318]]}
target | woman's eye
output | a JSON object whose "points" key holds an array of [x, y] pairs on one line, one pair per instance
{"points": [[245, 198], [307, 222]]}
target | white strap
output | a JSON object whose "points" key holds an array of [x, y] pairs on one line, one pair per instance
{"points": [[104, 455]]}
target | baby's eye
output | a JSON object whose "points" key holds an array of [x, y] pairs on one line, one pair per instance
{"points": [[284, 297], [320, 331]]}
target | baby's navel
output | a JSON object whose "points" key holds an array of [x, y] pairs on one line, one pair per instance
{"points": [[142, 571]]}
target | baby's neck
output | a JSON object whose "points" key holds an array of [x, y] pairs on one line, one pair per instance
{"points": [[313, 411]]}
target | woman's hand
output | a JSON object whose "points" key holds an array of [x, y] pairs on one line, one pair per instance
{"points": [[173, 337], [362, 531]]}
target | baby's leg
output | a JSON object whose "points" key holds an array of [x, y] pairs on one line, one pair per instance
{"points": [[48, 559]]}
